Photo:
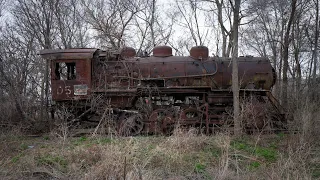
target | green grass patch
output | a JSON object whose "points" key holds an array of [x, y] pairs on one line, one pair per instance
{"points": [[241, 145], [199, 168], [267, 153], [79, 141], [23, 146], [50, 160], [82, 139], [46, 138], [315, 171], [43, 146], [91, 141], [281, 135], [273, 145], [103, 141], [17, 158], [213, 151], [254, 165]]}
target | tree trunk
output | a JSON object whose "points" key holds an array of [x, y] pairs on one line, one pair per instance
{"points": [[152, 21], [235, 79], [315, 50], [297, 70], [223, 29], [286, 53]]}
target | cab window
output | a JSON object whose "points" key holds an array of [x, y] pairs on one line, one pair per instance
{"points": [[65, 71]]}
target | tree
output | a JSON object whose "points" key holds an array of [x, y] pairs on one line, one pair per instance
{"points": [[264, 33], [111, 19], [226, 48], [195, 31], [270, 36], [223, 11], [50, 24], [316, 39], [2, 5], [35, 18], [286, 44], [17, 70], [299, 44], [70, 24], [150, 29], [312, 33], [235, 78], [189, 14]]}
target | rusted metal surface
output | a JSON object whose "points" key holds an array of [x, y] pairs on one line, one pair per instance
{"points": [[199, 52], [194, 90], [130, 124], [128, 52], [160, 120], [254, 73], [73, 82], [79, 87], [162, 51], [59, 54]]}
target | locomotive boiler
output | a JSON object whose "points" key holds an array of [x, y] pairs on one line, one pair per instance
{"points": [[153, 94]]}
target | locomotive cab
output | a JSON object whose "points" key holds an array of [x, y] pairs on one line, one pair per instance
{"points": [[70, 73]]}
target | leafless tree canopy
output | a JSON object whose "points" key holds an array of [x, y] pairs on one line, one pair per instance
{"points": [[2, 5]]}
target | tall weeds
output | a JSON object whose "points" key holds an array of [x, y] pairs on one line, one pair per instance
{"points": [[184, 155]]}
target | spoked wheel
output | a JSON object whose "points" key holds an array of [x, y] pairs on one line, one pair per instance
{"points": [[191, 114], [191, 117], [162, 120], [159, 119], [168, 128], [130, 124], [155, 121]]}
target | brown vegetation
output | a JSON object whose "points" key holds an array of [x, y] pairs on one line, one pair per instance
{"points": [[184, 155], [181, 156]]}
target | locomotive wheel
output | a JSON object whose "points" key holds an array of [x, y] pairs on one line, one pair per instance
{"points": [[190, 114], [163, 120], [191, 117], [130, 124], [156, 118], [168, 125], [157, 115]]}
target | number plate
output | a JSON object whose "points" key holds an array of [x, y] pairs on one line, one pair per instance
{"points": [[80, 89]]}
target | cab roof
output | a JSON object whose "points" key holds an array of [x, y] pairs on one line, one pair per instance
{"points": [[79, 53]]}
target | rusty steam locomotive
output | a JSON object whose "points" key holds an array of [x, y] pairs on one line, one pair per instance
{"points": [[152, 94]]}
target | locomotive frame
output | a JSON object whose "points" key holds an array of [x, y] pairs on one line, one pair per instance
{"points": [[153, 94]]}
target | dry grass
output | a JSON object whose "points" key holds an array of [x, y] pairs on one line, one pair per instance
{"points": [[184, 155]]}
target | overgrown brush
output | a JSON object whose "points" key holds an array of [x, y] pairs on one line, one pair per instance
{"points": [[184, 155]]}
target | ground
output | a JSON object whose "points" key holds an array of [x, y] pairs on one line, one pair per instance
{"points": [[184, 155]]}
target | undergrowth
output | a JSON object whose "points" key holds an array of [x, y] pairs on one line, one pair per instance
{"points": [[184, 155]]}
